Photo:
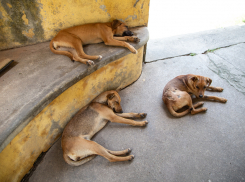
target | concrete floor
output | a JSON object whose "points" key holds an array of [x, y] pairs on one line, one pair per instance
{"points": [[205, 147]]}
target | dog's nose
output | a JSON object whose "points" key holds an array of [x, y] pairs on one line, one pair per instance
{"points": [[201, 96], [128, 33]]}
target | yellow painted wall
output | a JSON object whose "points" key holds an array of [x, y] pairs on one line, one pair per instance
{"points": [[25, 22], [38, 136]]}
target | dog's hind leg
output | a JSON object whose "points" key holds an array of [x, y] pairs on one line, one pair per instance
{"points": [[79, 151], [174, 113], [132, 115], [79, 59], [60, 50], [194, 109], [198, 104], [123, 152], [108, 154], [77, 44], [112, 155]]}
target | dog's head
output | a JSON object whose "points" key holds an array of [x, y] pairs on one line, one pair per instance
{"points": [[113, 101], [199, 85], [120, 29]]}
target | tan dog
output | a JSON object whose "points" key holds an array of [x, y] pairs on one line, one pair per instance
{"points": [[70, 41], [177, 93], [76, 144]]}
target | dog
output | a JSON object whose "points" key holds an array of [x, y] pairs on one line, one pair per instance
{"points": [[70, 41], [76, 144], [177, 93]]}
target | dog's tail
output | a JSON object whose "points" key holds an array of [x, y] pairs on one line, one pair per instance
{"points": [[79, 162], [176, 114], [62, 52]]}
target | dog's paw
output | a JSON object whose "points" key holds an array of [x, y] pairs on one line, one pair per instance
{"points": [[90, 63], [131, 157], [219, 89], [136, 39], [204, 109], [99, 57], [135, 51], [143, 115], [144, 123], [129, 150], [200, 104], [132, 49], [223, 100]]}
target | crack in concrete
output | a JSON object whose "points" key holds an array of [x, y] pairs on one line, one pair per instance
{"points": [[189, 54], [207, 51], [168, 58], [224, 68]]}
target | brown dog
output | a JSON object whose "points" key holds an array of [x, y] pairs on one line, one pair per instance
{"points": [[70, 41], [76, 144], [177, 93]]}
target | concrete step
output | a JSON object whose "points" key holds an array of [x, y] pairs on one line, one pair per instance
{"points": [[43, 83]]}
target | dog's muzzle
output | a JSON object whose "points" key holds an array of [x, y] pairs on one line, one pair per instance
{"points": [[128, 33], [121, 111]]}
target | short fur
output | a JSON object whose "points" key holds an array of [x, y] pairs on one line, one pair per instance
{"points": [[70, 41], [76, 144], [177, 93]]}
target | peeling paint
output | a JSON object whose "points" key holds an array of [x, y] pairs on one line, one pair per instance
{"points": [[133, 17], [16, 22], [136, 3], [29, 34], [103, 7], [9, 5], [24, 18]]}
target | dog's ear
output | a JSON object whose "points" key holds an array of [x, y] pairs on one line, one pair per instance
{"points": [[209, 81], [194, 78], [115, 24], [110, 96]]}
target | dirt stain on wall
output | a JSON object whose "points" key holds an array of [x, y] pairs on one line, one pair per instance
{"points": [[23, 20]]}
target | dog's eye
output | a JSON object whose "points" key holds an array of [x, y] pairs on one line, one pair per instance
{"points": [[205, 87], [197, 87]]}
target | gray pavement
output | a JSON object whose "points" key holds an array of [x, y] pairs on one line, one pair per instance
{"points": [[205, 147]]}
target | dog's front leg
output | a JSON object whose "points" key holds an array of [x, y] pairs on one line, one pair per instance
{"points": [[132, 115], [220, 99], [218, 89], [114, 42], [117, 119], [128, 38]]}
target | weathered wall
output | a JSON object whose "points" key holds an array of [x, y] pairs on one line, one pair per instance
{"points": [[26, 22]]}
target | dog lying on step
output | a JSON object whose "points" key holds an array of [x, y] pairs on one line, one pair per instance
{"points": [[70, 41], [76, 144], [177, 93]]}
